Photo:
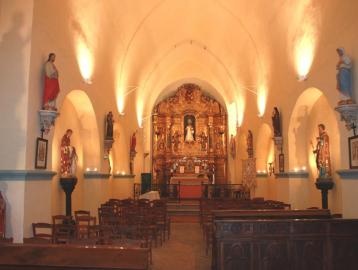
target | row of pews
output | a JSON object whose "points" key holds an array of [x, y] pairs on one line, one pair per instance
{"points": [[274, 239], [80, 243]]}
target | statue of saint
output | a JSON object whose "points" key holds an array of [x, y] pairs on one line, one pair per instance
{"points": [[68, 155], [323, 161], [176, 140], [232, 146], [189, 132], [276, 122], [109, 126], [250, 144], [344, 78], [203, 141], [52, 87], [133, 143]]}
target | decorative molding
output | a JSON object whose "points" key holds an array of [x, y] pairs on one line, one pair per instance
{"points": [[261, 175], [348, 174], [47, 119], [13, 175], [118, 175], [96, 175], [292, 175], [349, 114]]}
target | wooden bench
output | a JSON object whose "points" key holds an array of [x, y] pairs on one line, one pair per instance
{"points": [[48, 257], [289, 239], [271, 214], [2, 216]]}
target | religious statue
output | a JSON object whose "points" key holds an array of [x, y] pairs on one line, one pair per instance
{"points": [[132, 152], [323, 161], [344, 78], [109, 126], [68, 155], [189, 130], [250, 144], [176, 140], [52, 87], [203, 141], [276, 122], [232, 146], [133, 143]]}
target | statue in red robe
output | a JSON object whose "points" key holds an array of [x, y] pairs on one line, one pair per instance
{"points": [[323, 161], [52, 87], [68, 155], [133, 143]]}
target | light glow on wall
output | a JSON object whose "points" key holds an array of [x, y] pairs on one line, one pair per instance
{"points": [[305, 38], [240, 109], [84, 60], [140, 112], [261, 98], [232, 114]]}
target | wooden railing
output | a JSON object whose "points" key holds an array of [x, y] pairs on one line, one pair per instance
{"points": [[208, 191]]}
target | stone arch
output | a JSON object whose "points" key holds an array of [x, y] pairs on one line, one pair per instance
{"points": [[76, 113], [264, 150], [312, 108]]}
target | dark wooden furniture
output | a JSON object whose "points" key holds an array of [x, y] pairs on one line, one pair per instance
{"points": [[275, 242], [2, 216], [48, 257]]}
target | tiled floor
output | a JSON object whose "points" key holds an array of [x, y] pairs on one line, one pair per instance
{"points": [[184, 251]]}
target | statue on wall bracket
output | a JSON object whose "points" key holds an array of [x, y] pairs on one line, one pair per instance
{"points": [[108, 141], [344, 78], [132, 152], [48, 113], [346, 106]]}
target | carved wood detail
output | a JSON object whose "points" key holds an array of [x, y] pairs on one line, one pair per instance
{"points": [[189, 110]]}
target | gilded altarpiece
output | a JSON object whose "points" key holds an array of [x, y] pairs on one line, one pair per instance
{"points": [[189, 136]]}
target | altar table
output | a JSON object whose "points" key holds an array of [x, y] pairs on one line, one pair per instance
{"points": [[190, 186]]}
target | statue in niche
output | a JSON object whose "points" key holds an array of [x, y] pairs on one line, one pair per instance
{"points": [[203, 140], [176, 140], [276, 122], [232, 146], [189, 127], [344, 78], [109, 126], [169, 137], [68, 155], [51, 85], [323, 161], [250, 144]]}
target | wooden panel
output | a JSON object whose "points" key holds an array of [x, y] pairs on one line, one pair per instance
{"points": [[286, 244], [2, 216], [16, 256]]}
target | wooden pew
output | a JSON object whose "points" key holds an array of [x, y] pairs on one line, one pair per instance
{"points": [[271, 214], [49, 257], [2, 216], [292, 239]]}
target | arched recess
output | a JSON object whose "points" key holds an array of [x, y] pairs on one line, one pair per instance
{"points": [[312, 108], [171, 88], [264, 147], [76, 113]]}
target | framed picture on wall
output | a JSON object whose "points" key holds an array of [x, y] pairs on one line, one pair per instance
{"points": [[353, 152], [41, 153]]}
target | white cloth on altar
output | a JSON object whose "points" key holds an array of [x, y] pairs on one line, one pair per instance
{"points": [[151, 195]]}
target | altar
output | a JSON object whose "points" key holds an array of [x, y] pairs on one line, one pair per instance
{"points": [[190, 186]]}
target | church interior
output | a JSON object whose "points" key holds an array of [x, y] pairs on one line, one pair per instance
{"points": [[213, 134]]}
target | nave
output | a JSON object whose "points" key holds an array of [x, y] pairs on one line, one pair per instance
{"points": [[184, 250]]}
